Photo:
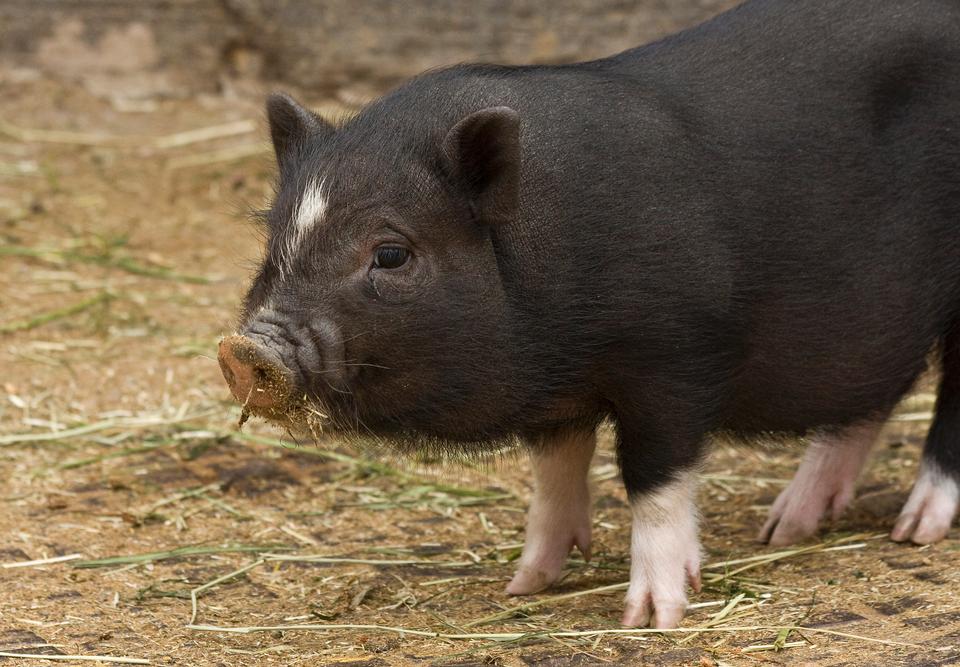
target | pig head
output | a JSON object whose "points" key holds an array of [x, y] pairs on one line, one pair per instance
{"points": [[380, 307]]}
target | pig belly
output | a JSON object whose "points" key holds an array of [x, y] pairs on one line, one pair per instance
{"points": [[809, 372]]}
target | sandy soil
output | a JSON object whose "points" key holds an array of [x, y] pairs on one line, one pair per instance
{"points": [[121, 264]]}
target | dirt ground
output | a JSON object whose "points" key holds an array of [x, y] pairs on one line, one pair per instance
{"points": [[124, 249]]}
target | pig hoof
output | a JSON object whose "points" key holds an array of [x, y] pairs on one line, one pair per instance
{"points": [[544, 557], [660, 602], [929, 511], [666, 614], [528, 581], [795, 514], [824, 483]]}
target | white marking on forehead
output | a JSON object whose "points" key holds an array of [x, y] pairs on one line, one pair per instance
{"points": [[311, 207], [308, 212]]}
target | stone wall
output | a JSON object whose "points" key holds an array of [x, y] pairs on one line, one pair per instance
{"points": [[182, 46]]}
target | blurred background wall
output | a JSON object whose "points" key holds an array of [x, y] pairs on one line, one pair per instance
{"points": [[180, 47]]}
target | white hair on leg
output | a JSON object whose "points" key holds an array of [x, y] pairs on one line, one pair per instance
{"points": [[931, 507], [664, 554]]}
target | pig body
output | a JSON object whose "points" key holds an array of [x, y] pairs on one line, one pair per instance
{"points": [[750, 227]]}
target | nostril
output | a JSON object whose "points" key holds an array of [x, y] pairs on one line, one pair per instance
{"points": [[263, 377]]}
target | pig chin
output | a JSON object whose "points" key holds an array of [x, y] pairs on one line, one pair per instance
{"points": [[311, 419]]}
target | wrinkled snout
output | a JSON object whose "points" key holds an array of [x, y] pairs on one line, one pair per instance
{"points": [[275, 360]]}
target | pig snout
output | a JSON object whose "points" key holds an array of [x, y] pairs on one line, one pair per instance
{"points": [[271, 361], [255, 374]]}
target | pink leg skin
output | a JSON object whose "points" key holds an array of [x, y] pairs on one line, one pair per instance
{"points": [[930, 509], [664, 555], [824, 484], [559, 515]]}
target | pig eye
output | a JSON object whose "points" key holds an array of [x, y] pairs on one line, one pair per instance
{"points": [[390, 257]]}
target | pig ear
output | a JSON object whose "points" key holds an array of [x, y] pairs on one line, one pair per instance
{"points": [[291, 125], [483, 155]]}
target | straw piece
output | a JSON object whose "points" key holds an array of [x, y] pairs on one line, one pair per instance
{"points": [[54, 315], [179, 552], [717, 618], [129, 451], [105, 259], [133, 423], [364, 561], [76, 658], [528, 606], [200, 134], [195, 593], [175, 140], [42, 561], [782, 555], [755, 648], [218, 156]]}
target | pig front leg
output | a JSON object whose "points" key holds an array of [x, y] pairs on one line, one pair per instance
{"points": [[559, 515], [824, 484], [659, 453], [935, 498], [929, 511], [664, 554]]}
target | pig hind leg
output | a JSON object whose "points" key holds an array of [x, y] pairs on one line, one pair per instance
{"points": [[932, 505], [559, 514], [824, 483]]}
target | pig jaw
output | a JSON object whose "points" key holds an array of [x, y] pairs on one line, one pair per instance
{"points": [[295, 375]]}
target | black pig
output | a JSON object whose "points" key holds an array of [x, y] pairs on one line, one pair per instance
{"points": [[750, 227]]}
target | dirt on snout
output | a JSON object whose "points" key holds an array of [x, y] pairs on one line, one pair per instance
{"points": [[262, 385], [139, 524]]}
